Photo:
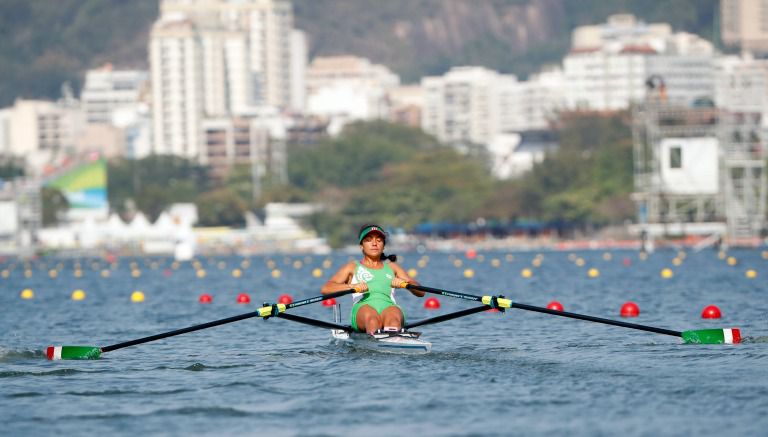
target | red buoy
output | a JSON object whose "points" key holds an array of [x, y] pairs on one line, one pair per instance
{"points": [[471, 254], [205, 298], [285, 299], [329, 302], [555, 305], [710, 312], [243, 298], [166, 273], [629, 309], [627, 262], [431, 303]]}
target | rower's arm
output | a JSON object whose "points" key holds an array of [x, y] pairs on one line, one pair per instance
{"points": [[340, 280], [403, 276]]}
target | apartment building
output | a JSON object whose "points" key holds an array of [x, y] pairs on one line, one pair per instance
{"points": [[744, 24]]}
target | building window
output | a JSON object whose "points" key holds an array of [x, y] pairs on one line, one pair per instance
{"points": [[675, 157]]}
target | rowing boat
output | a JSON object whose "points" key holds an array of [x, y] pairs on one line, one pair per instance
{"points": [[399, 342], [394, 341]]}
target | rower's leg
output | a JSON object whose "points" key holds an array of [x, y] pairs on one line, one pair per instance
{"points": [[368, 319], [392, 317]]}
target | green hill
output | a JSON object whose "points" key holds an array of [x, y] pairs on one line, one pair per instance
{"points": [[44, 43]]}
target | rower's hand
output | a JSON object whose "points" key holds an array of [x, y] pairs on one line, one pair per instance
{"points": [[360, 287], [399, 283]]}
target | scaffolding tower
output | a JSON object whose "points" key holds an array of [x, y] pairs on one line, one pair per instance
{"points": [[736, 209]]}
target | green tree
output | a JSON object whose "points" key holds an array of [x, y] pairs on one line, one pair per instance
{"points": [[55, 204], [221, 207]]}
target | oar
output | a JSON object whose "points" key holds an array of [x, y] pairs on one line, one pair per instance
{"points": [[699, 336], [94, 352]]}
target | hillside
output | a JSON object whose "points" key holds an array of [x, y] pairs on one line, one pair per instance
{"points": [[46, 42]]}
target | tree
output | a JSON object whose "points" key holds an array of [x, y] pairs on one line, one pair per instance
{"points": [[221, 207], [55, 205]]}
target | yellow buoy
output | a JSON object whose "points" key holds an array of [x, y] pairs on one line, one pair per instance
{"points": [[137, 296], [526, 273], [27, 293], [509, 257], [245, 264], [765, 254], [413, 273], [580, 262], [200, 273], [469, 273], [276, 273], [457, 263], [422, 263], [53, 273], [136, 273], [78, 273], [677, 261], [536, 262], [28, 273], [593, 273], [105, 273], [175, 265], [222, 265], [297, 264], [607, 256], [496, 262], [721, 254], [751, 274], [5, 273], [666, 273], [317, 272], [643, 256], [731, 261], [480, 258], [270, 264], [236, 273], [327, 263], [78, 295]]}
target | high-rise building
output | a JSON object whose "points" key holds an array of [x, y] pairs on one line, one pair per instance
{"points": [[744, 24], [218, 58], [461, 106]]}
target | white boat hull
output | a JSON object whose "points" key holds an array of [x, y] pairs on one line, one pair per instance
{"points": [[391, 342]]}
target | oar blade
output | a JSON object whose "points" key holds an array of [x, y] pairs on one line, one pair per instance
{"points": [[73, 353], [712, 336]]}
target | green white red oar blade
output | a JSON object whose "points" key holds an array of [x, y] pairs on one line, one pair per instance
{"points": [[712, 336], [73, 352]]}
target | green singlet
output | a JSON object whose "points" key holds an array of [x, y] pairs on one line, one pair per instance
{"points": [[380, 294]]}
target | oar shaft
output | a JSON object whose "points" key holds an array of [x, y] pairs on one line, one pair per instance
{"points": [[222, 321], [179, 331], [449, 316], [523, 306]]}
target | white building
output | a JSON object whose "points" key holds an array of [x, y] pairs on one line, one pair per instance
{"points": [[106, 90], [609, 64], [742, 85], [743, 24], [532, 104], [218, 58], [462, 106], [350, 87]]}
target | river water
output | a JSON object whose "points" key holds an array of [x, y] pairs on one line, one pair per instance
{"points": [[516, 373]]}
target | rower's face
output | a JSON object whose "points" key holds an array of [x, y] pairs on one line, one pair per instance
{"points": [[373, 244]]}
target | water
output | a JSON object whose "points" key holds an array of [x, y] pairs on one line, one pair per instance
{"points": [[519, 373]]}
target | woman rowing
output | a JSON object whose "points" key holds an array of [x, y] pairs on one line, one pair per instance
{"points": [[374, 282]]}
